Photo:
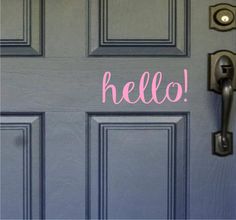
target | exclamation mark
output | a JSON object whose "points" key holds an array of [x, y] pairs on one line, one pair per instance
{"points": [[185, 83]]}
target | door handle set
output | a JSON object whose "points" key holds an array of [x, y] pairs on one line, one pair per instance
{"points": [[222, 80]]}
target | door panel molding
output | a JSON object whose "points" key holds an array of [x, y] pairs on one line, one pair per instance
{"points": [[22, 157], [176, 31], [30, 41], [170, 130]]}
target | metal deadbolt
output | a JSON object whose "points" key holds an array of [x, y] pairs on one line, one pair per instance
{"points": [[224, 17]]}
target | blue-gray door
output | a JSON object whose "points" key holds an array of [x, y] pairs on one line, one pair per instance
{"points": [[72, 149]]}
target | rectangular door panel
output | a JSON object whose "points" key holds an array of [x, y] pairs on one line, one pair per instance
{"points": [[138, 28], [21, 167], [137, 166], [21, 28]]}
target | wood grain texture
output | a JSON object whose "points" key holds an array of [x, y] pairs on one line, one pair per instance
{"points": [[65, 161], [66, 83], [22, 28], [133, 28], [22, 167], [128, 155]]}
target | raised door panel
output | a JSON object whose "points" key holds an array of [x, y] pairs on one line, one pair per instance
{"points": [[21, 28], [21, 167], [138, 28], [137, 166]]}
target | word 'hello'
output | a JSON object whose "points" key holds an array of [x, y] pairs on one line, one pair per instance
{"points": [[176, 89]]}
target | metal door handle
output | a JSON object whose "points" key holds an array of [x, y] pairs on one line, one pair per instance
{"points": [[227, 99], [223, 81]]}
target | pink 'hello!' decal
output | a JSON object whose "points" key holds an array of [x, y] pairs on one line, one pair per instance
{"points": [[174, 92]]}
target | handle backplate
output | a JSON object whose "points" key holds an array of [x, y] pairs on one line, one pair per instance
{"points": [[213, 84]]}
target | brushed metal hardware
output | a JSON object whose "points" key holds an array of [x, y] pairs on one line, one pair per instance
{"points": [[223, 17], [222, 80]]}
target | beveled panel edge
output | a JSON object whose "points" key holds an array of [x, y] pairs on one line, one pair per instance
{"points": [[181, 118], [31, 46], [25, 29], [105, 41], [96, 49], [27, 121]]}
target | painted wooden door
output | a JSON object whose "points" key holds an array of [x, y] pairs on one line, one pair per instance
{"points": [[72, 149]]}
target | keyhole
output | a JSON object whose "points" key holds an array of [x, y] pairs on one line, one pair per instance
{"points": [[225, 18]]}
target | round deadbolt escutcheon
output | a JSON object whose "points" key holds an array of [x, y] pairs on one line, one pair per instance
{"points": [[224, 17]]}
